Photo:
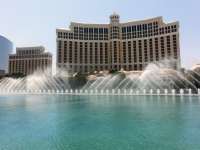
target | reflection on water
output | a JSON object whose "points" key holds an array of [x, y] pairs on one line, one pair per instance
{"points": [[99, 122]]}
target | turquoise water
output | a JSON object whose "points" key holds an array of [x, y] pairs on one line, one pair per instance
{"points": [[99, 122]]}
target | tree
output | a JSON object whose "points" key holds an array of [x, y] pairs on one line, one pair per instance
{"points": [[111, 71], [78, 81], [13, 75]]}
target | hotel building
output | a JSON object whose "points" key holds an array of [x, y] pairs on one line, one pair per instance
{"points": [[131, 45], [30, 59]]}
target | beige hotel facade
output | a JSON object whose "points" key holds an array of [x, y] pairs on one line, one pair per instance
{"points": [[86, 47], [30, 59]]}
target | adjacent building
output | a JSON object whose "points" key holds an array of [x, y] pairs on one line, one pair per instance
{"points": [[6, 47], [30, 59], [2, 72], [131, 45]]}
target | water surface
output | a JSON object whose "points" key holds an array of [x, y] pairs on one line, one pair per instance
{"points": [[99, 122]]}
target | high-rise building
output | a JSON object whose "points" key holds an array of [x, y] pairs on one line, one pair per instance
{"points": [[6, 47], [30, 59], [2, 72], [131, 45]]}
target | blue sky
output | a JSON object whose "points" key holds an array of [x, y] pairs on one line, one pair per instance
{"points": [[34, 22]]}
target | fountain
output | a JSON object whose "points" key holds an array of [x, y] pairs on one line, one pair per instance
{"points": [[154, 80]]}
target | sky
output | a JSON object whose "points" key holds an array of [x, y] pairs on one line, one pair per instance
{"points": [[34, 22]]}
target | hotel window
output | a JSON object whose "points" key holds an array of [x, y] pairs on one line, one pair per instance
{"points": [[129, 32], [162, 48], [150, 29], [139, 31], [81, 53], [65, 51], [134, 51], [70, 35], [144, 29], [86, 53], [96, 68], [91, 53], [151, 50], [75, 52], [85, 33], [100, 33], [86, 69], [175, 47], [90, 33], [80, 33], [140, 67], [123, 33], [59, 51], [168, 48], [65, 35], [106, 53], [134, 32], [140, 50], [124, 52], [96, 53], [114, 32], [155, 28], [95, 33], [101, 53], [129, 51], [115, 52], [106, 34], [173, 28], [70, 52], [156, 49], [135, 67], [145, 51]]}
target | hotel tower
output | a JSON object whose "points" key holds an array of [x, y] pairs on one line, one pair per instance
{"points": [[86, 47], [30, 59]]}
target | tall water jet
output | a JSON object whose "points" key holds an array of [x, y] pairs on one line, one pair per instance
{"points": [[101, 91], [166, 92], [173, 92], [131, 91], [137, 92], [151, 91], [118, 91], [107, 91], [158, 91], [124, 91], [144, 91], [181, 91], [190, 91]]}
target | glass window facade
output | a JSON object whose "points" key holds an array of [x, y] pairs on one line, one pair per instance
{"points": [[6, 48]]}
